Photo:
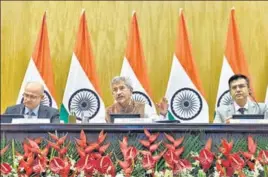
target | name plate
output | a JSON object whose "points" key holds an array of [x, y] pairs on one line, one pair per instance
{"points": [[132, 120], [30, 121], [252, 121]]}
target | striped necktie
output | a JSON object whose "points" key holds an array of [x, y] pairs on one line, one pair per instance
{"points": [[242, 110]]}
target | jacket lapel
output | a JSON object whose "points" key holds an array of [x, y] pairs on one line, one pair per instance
{"points": [[42, 112], [230, 110], [19, 109], [251, 108]]}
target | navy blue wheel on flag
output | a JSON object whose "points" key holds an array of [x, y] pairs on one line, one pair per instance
{"points": [[141, 97], [186, 104], [47, 100], [225, 99], [84, 100]]}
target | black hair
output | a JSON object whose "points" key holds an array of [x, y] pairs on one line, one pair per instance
{"points": [[236, 77]]}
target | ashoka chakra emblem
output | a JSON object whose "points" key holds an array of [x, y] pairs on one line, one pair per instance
{"points": [[84, 100], [186, 104], [47, 100], [141, 97], [225, 99]]}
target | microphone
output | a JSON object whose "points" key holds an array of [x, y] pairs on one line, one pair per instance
{"points": [[250, 94]]}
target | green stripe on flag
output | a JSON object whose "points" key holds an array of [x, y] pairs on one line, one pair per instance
{"points": [[170, 116], [64, 114]]}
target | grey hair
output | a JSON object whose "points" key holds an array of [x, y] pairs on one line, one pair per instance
{"points": [[42, 89], [126, 80]]}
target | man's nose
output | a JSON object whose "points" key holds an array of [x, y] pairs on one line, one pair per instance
{"points": [[238, 89], [118, 91]]}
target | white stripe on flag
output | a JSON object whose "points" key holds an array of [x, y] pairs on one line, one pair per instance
{"points": [[179, 80], [32, 74]]}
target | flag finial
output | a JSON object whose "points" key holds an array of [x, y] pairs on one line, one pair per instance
{"points": [[233, 8], [181, 10], [133, 12], [83, 11]]}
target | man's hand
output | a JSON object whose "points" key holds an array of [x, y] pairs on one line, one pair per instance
{"points": [[228, 120], [163, 106]]}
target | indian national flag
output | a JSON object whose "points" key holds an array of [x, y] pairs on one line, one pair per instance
{"points": [[134, 65], [184, 91], [82, 92], [40, 68], [234, 62]]}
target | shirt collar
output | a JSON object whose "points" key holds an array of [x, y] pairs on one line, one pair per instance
{"points": [[35, 110], [236, 106]]}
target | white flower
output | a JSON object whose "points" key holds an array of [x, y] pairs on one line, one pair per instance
{"points": [[196, 163], [194, 154], [216, 174], [159, 174], [119, 175]]}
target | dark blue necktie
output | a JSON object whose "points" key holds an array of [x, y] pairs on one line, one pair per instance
{"points": [[242, 110], [30, 114]]}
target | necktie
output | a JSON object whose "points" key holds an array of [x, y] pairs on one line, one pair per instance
{"points": [[242, 110], [30, 114]]}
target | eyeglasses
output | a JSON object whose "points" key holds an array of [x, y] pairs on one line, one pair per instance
{"points": [[29, 96]]}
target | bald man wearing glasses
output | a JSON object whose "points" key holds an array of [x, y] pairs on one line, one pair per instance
{"points": [[32, 107]]}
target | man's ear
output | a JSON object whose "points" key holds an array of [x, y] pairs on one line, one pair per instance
{"points": [[42, 97], [249, 91]]}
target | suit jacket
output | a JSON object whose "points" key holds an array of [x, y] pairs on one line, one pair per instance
{"points": [[43, 112], [226, 111]]}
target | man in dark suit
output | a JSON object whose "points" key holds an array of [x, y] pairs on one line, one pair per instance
{"points": [[32, 107], [242, 103]]}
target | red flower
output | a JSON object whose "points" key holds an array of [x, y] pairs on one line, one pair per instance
{"points": [[180, 165], [82, 142], [39, 164], [106, 166], [60, 166], [170, 158], [263, 157], [231, 163], [206, 157], [129, 154], [252, 146], [237, 163], [101, 137], [86, 164], [226, 147], [148, 162], [4, 150], [5, 168]]}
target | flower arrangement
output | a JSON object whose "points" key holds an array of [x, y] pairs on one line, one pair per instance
{"points": [[153, 154]]}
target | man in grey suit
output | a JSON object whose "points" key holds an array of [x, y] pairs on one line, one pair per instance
{"points": [[32, 107], [240, 91]]}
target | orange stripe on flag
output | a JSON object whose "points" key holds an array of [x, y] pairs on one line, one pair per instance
{"points": [[42, 58], [135, 56], [183, 52], [234, 51], [84, 53]]}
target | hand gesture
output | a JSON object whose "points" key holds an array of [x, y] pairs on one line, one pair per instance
{"points": [[163, 106]]}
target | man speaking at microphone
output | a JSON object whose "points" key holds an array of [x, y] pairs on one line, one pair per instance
{"points": [[32, 107], [240, 91]]}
